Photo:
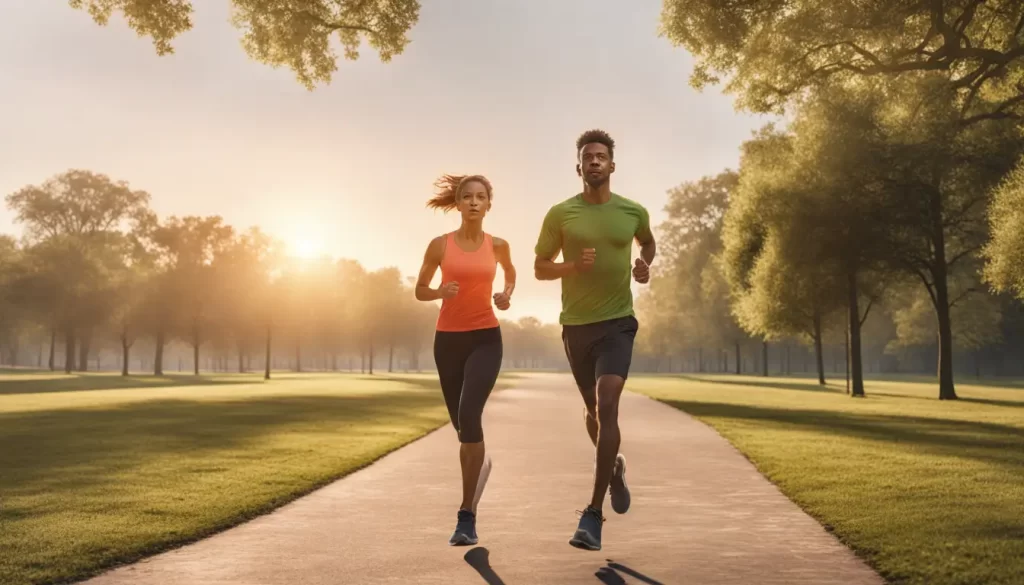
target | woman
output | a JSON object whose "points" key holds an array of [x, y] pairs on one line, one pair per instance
{"points": [[467, 343]]}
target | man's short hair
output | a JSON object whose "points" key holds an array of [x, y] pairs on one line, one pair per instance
{"points": [[598, 136]]}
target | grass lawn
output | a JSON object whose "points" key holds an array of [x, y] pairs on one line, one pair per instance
{"points": [[928, 492], [97, 470]]}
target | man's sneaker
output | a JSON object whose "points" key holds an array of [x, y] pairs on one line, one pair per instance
{"points": [[618, 487], [465, 529], [588, 533]]}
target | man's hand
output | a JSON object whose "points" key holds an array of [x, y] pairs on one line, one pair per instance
{"points": [[586, 262], [449, 290], [641, 271]]}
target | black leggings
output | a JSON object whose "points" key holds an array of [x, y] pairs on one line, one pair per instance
{"points": [[468, 363]]}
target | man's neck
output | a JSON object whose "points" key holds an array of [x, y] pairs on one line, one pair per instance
{"points": [[597, 195]]}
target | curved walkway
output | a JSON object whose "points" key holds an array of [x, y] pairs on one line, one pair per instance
{"points": [[701, 514]]}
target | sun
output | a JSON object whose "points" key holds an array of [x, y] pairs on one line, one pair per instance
{"points": [[307, 248]]}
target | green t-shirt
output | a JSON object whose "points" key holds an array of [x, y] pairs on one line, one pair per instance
{"points": [[610, 228]]}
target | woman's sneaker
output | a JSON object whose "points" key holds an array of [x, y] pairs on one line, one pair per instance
{"points": [[465, 530]]}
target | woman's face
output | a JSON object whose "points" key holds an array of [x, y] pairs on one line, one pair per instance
{"points": [[473, 202]]}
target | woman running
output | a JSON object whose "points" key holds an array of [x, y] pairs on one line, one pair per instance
{"points": [[467, 343]]}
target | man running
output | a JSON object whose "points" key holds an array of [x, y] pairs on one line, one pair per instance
{"points": [[594, 231]]}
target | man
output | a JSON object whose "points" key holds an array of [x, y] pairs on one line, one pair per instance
{"points": [[594, 230]]}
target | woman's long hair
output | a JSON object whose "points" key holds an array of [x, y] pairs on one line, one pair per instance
{"points": [[449, 188]]}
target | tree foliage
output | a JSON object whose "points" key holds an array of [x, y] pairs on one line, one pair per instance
{"points": [[773, 51], [297, 34]]}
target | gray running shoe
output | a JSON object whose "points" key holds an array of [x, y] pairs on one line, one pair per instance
{"points": [[465, 529], [588, 533], [618, 488]]}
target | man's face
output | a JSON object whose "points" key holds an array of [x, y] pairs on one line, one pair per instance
{"points": [[595, 166]]}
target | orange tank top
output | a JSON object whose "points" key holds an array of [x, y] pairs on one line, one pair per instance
{"points": [[474, 271]]}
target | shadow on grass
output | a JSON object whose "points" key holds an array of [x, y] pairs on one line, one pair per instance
{"points": [[30, 384], [967, 399], [60, 468], [811, 386], [996, 443], [61, 451]]}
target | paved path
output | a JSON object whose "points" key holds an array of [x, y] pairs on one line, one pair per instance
{"points": [[701, 514]]}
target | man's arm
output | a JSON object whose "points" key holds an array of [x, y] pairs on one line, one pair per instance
{"points": [[549, 244], [548, 269], [648, 249]]}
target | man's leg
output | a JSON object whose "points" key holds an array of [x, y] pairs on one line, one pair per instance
{"points": [[609, 390]]}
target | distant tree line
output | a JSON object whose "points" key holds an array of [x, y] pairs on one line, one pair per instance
{"points": [[98, 281]]}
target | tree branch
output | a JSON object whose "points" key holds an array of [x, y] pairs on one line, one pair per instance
{"points": [[1000, 112]]}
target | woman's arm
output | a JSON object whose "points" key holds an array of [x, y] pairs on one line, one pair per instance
{"points": [[431, 262], [503, 253]]}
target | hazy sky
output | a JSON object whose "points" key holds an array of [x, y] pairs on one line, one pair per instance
{"points": [[498, 88]]}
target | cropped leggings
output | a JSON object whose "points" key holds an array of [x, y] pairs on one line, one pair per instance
{"points": [[468, 363]]}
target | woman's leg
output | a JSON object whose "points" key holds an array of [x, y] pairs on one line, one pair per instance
{"points": [[450, 353], [481, 372]]}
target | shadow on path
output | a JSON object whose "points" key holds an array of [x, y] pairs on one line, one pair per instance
{"points": [[479, 559], [610, 574]]}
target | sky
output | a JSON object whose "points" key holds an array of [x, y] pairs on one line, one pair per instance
{"points": [[496, 88]]}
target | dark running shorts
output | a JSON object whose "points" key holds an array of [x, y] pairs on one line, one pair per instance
{"points": [[598, 349]]}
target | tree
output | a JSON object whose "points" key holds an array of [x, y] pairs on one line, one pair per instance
{"points": [[774, 51], [187, 249], [1004, 253], [279, 33], [79, 223], [692, 236], [949, 70]]}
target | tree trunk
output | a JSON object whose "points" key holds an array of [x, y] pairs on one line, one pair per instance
{"points": [[700, 360], [158, 362], [298, 356], [416, 361], [125, 347], [947, 391], [195, 350], [266, 370], [83, 352], [371, 357], [362, 362], [739, 369], [939, 273], [856, 371], [391, 357], [764, 358], [241, 362], [977, 364], [53, 349], [69, 350], [819, 351], [789, 363], [334, 361]]}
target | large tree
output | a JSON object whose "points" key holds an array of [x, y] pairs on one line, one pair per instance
{"points": [[281, 33], [772, 52]]}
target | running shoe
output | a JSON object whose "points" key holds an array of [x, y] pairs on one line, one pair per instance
{"points": [[465, 529], [588, 533], [618, 488]]}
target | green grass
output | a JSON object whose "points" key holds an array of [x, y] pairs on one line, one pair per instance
{"points": [[110, 469], [928, 492]]}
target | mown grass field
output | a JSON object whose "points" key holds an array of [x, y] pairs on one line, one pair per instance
{"points": [[97, 470], [928, 492]]}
